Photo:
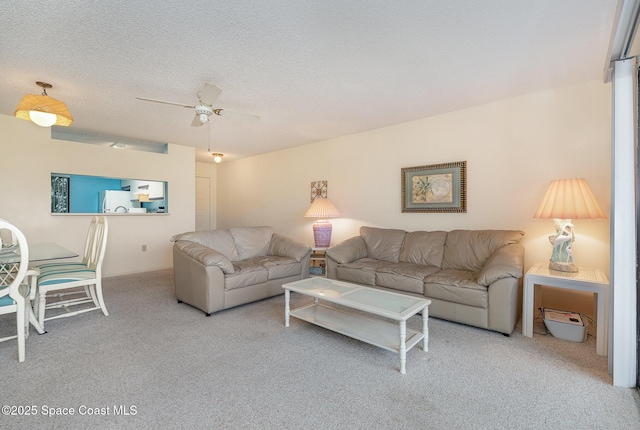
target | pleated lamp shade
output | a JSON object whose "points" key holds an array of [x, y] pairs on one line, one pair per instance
{"points": [[322, 208], [569, 199], [32, 106]]}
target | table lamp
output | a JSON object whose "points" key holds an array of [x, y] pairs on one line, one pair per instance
{"points": [[322, 208], [564, 200]]}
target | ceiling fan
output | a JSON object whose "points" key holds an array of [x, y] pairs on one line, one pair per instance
{"points": [[204, 109]]}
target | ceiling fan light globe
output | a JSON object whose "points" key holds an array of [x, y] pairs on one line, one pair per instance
{"points": [[204, 118], [43, 119]]}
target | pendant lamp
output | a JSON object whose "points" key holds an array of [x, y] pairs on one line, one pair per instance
{"points": [[43, 110]]}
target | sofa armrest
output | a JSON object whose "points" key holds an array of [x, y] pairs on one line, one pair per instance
{"points": [[196, 284], [506, 262], [283, 246], [205, 255], [350, 250], [504, 304]]}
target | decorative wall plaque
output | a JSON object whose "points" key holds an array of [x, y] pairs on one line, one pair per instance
{"points": [[318, 189]]}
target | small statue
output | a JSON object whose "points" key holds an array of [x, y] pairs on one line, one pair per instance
{"points": [[562, 256]]}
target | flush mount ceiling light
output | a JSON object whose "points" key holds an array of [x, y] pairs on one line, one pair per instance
{"points": [[217, 157], [43, 110]]}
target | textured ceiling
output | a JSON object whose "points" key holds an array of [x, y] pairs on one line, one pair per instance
{"points": [[311, 69]]}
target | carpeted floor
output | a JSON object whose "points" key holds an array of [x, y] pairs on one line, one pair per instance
{"points": [[154, 363]]}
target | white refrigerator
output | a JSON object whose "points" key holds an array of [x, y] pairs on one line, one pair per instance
{"points": [[114, 201]]}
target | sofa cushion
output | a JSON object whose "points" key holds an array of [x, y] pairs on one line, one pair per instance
{"points": [[245, 273], [361, 271], [278, 267], [424, 247], [220, 240], [251, 241], [457, 286], [469, 249], [404, 276], [383, 243]]}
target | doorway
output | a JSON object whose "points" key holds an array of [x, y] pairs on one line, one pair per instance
{"points": [[203, 203]]}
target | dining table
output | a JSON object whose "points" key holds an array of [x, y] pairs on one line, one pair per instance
{"points": [[38, 252]]}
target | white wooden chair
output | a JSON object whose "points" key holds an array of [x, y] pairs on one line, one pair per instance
{"points": [[81, 281], [17, 288], [86, 256]]}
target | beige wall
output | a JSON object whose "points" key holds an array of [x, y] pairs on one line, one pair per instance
{"points": [[29, 156], [513, 148]]}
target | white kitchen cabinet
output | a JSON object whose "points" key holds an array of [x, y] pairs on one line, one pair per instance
{"points": [[154, 189]]}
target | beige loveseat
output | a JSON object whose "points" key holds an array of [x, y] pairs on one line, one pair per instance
{"points": [[220, 269], [471, 276]]}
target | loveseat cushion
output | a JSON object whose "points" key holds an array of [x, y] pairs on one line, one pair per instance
{"points": [[278, 267], [404, 276], [383, 243], [424, 247], [457, 286], [469, 249], [220, 240], [361, 271], [251, 241], [245, 273]]}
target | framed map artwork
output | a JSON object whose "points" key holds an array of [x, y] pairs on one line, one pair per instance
{"points": [[435, 188]]}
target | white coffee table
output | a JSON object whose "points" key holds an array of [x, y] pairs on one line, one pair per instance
{"points": [[384, 334]]}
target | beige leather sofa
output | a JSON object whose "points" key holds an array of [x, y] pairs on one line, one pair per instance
{"points": [[472, 277], [220, 269]]}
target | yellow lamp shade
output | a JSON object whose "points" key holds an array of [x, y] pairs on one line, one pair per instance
{"points": [[32, 107]]}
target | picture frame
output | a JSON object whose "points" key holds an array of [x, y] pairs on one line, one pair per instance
{"points": [[318, 189], [435, 188]]}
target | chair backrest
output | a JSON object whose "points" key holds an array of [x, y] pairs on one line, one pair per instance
{"points": [[89, 242], [7, 237], [96, 246], [23, 265]]}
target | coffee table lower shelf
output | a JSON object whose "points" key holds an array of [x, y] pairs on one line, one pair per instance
{"points": [[372, 331]]}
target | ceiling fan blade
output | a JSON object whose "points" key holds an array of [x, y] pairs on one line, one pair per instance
{"points": [[210, 93], [162, 101], [237, 115], [196, 121]]}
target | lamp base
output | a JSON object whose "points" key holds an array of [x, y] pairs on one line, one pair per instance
{"points": [[322, 233], [563, 267], [562, 255]]}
